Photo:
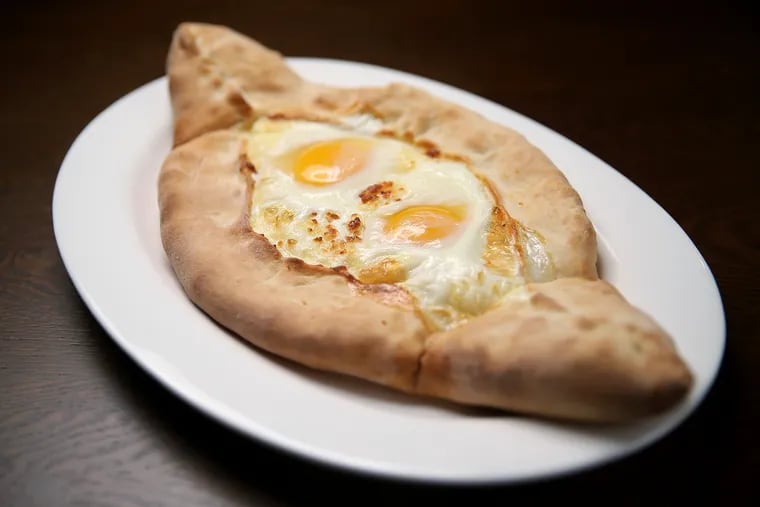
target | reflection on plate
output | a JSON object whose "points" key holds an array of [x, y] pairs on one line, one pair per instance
{"points": [[106, 224]]}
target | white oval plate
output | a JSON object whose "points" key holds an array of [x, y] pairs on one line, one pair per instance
{"points": [[107, 227]]}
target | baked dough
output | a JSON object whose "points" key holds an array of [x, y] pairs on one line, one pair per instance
{"points": [[569, 348]]}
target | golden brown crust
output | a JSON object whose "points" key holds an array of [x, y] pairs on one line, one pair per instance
{"points": [[568, 348], [237, 277], [221, 64], [210, 68]]}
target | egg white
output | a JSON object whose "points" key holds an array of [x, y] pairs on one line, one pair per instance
{"points": [[447, 277]]}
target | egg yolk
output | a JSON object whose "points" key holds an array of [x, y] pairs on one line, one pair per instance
{"points": [[331, 161], [425, 223]]}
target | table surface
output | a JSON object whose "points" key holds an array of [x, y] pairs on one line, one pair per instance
{"points": [[666, 95]]}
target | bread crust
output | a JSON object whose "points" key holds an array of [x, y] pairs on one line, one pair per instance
{"points": [[238, 278], [566, 348], [570, 348]]}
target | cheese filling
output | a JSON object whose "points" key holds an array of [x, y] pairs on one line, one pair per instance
{"points": [[341, 196]]}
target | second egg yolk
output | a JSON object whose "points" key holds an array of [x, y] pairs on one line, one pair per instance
{"points": [[424, 223]]}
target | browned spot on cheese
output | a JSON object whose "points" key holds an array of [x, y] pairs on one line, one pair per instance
{"points": [[386, 271], [502, 251], [355, 224], [387, 293], [586, 324], [454, 157], [430, 149], [365, 108], [330, 239], [278, 216], [331, 232], [373, 193], [337, 247]]}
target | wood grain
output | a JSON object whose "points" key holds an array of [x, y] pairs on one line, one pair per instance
{"points": [[666, 94]]}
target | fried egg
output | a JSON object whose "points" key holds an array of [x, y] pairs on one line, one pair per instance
{"points": [[389, 212]]}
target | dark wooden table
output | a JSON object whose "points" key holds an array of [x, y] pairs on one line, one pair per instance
{"points": [[667, 95]]}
